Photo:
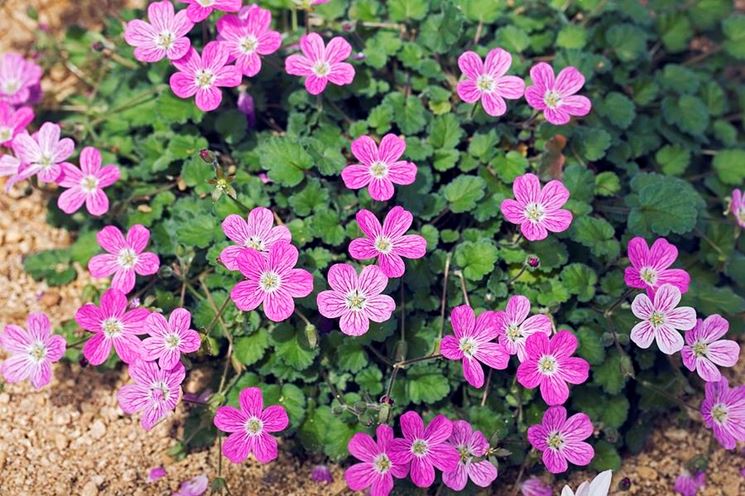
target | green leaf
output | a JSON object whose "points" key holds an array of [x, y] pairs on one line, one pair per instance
{"points": [[351, 356], [370, 380], [441, 31], [285, 159], [591, 346], [292, 348], [734, 31], [708, 299], [662, 205], [688, 113], [406, 10], [463, 192], [607, 184], [426, 384], [196, 173], [597, 234], [509, 166], [591, 143], [676, 31], [54, 266], [311, 198], [476, 258], [325, 432], [572, 36], [580, 280], [673, 159], [730, 166], [250, 349], [512, 38], [409, 114], [606, 457], [445, 131], [610, 374], [628, 41], [618, 109], [615, 411]]}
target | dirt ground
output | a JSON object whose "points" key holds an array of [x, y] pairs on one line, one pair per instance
{"points": [[71, 438]]}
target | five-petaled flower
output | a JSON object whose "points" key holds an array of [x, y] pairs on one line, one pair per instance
{"points": [[423, 449], [199, 10], [257, 231], [32, 351], [19, 78], [723, 410], [247, 37], [271, 280], [472, 446], [376, 470], [250, 427], [473, 343], [13, 121], [379, 168], [487, 81], [737, 207], [112, 324], [163, 37], [204, 75], [704, 348], [514, 325], [537, 210], [661, 320], [43, 153], [321, 64], [388, 243], [356, 299], [562, 439], [650, 267], [125, 258], [556, 96], [154, 391], [549, 364], [86, 184], [169, 338]]}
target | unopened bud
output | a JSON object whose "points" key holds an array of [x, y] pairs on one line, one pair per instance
{"points": [[165, 272], [401, 348], [97, 46], [207, 156], [348, 26], [311, 334], [624, 484], [83, 362], [384, 413], [533, 261]]}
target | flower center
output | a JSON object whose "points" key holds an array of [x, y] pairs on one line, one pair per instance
{"points": [[657, 319], [269, 281], [172, 341], [534, 212], [465, 455], [204, 78], [383, 244], [419, 448], [256, 243], [468, 346], [165, 40], [159, 392], [11, 85], [355, 300], [248, 44], [206, 3], [485, 83], [321, 68], [5, 134], [648, 275], [46, 161], [382, 463], [127, 258], [89, 184], [513, 332], [700, 349], [547, 365], [555, 441], [552, 99], [719, 413], [254, 426], [37, 351], [379, 169], [112, 328]]}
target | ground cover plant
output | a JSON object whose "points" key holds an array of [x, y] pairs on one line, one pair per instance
{"points": [[438, 242]]}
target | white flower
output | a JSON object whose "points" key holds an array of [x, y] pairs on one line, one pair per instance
{"points": [[599, 486]]}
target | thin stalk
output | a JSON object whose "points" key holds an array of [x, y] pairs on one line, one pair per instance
{"points": [[460, 276], [444, 295]]}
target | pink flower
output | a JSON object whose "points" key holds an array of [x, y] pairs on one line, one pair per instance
{"points": [[154, 392], [549, 364], [32, 351], [377, 470], [737, 207], [534, 486], [156, 473], [112, 325], [599, 486], [321, 64], [258, 233], [424, 449], [387, 243], [357, 300], [199, 10], [650, 267], [688, 485], [87, 183], [169, 338], [271, 280], [193, 487], [704, 350], [43, 153], [556, 97], [125, 257], [661, 320], [18, 77], [514, 325], [13, 121], [472, 343], [204, 75], [379, 168], [321, 474], [249, 36], [163, 36], [470, 445], [723, 410], [11, 166], [537, 210], [562, 440], [250, 426], [486, 81]]}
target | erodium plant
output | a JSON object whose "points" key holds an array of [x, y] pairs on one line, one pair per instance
{"points": [[421, 239]]}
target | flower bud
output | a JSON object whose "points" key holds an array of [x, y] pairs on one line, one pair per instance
{"points": [[624, 484], [533, 261], [97, 46], [311, 334], [207, 156]]}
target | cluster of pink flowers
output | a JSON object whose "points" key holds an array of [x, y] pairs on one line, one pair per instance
{"points": [[487, 81], [244, 36]]}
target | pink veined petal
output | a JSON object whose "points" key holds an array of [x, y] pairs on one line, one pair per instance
{"points": [[410, 246], [362, 249], [391, 148], [127, 347], [123, 280], [569, 81], [638, 252], [642, 306], [422, 472], [236, 228], [662, 254], [331, 304], [312, 46], [251, 263], [179, 48], [482, 473], [412, 425], [138, 237], [444, 457], [147, 264], [269, 42], [208, 99], [706, 369], [103, 265], [574, 370], [183, 85], [190, 341], [71, 200], [580, 454], [97, 349], [356, 176], [264, 448], [16, 369], [354, 323], [275, 418], [381, 189], [15, 339], [179, 320], [542, 76], [557, 116], [372, 281], [315, 85], [228, 76], [139, 33], [537, 435], [438, 430], [487, 326], [236, 447], [229, 256], [677, 277], [683, 318], [363, 447], [341, 73], [669, 340], [463, 321], [528, 375], [493, 355], [365, 150], [298, 65], [632, 279], [554, 461], [282, 257], [510, 87], [564, 344], [518, 308], [494, 104], [527, 189], [513, 211], [368, 224], [249, 64], [161, 15], [149, 54], [554, 195], [41, 375], [470, 64], [38, 326], [397, 222], [457, 479], [360, 476], [642, 334], [577, 427], [473, 372], [157, 325], [278, 306], [337, 50], [111, 239], [666, 298], [402, 172], [497, 62], [533, 232], [56, 346], [230, 419], [468, 91], [247, 295], [391, 264], [90, 160], [298, 283], [251, 401], [576, 105], [342, 277], [277, 234], [450, 348], [97, 203], [724, 353], [107, 176]]}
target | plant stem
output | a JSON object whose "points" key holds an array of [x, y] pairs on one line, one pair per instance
{"points": [[520, 474], [486, 388], [444, 295], [517, 276], [460, 276], [404, 363]]}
